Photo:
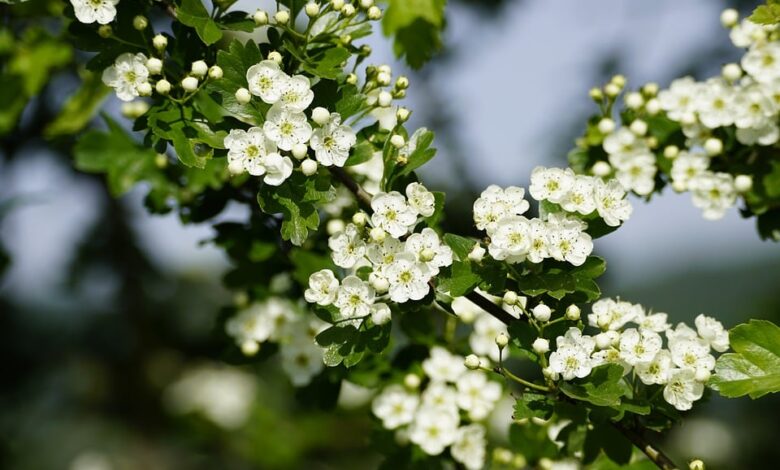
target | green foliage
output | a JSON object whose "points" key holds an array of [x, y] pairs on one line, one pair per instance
{"points": [[603, 387], [768, 14], [416, 25], [753, 368], [192, 13], [234, 63]]}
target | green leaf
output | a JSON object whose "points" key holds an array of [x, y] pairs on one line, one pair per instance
{"points": [[533, 405], [80, 108], [753, 368], [193, 141], [461, 279], [603, 387], [416, 25], [422, 152], [361, 153], [766, 14], [605, 438], [194, 14], [461, 246], [234, 63]]}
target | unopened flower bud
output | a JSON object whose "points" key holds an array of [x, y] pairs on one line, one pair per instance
{"points": [[334, 226], [163, 87], [743, 183], [299, 151], [601, 168], [250, 348], [282, 17], [729, 18], [412, 381], [351, 79], [216, 72], [345, 40], [384, 99], [377, 234], [606, 126], [696, 464], [732, 72], [348, 10], [713, 146], [427, 255], [471, 362], [379, 283], [160, 42], [275, 57], [374, 13], [511, 297], [140, 23], [312, 9], [572, 312], [309, 167], [618, 80], [189, 84], [612, 90], [337, 4], [105, 31], [502, 340], [602, 341], [542, 312], [320, 115], [260, 17], [360, 219], [366, 3], [634, 100], [402, 115], [671, 152], [702, 375], [596, 94], [397, 141], [383, 79], [477, 253], [199, 68], [144, 89], [638, 127], [653, 107], [679, 186], [541, 346], [154, 66], [384, 68], [243, 96]]}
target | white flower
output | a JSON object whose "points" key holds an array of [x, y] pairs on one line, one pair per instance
{"points": [[247, 150], [496, 203], [433, 429], [295, 93], [540, 243], [767, 134], [347, 247], [609, 314], [395, 406], [408, 279], [609, 356], [420, 199], [622, 145], [746, 33], [266, 80], [681, 332], [637, 173], [680, 99], [301, 361], [653, 322], [569, 243], [443, 366], [657, 370], [574, 337], [715, 103], [511, 239], [286, 127], [611, 202], [762, 62], [442, 396], [754, 108], [380, 313], [277, 169], [90, 11], [126, 75], [383, 254], [687, 166], [428, 250], [714, 193], [332, 142], [469, 446], [682, 389], [692, 354], [482, 340], [639, 346], [354, 298], [392, 213], [323, 287], [551, 184], [570, 361], [261, 321], [477, 395], [580, 196], [712, 332]]}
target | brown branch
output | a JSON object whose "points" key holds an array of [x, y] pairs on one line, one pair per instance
{"points": [[653, 453]]}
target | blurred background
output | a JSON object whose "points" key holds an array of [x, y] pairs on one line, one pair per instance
{"points": [[108, 314]]}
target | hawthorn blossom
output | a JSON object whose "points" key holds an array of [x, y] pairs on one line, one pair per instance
{"points": [[428, 250], [347, 246], [712, 332], [443, 366], [682, 389], [301, 361], [420, 199], [639, 346], [392, 214], [408, 279], [469, 446], [247, 150], [433, 429], [266, 80], [476, 394], [550, 184], [354, 298], [295, 93], [126, 75], [611, 202], [277, 169], [91, 11], [323, 287], [286, 127], [333, 141], [395, 406]]}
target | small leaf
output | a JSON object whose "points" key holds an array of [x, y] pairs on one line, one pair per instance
{"points": [[192, 13], [753, 368], [603, 387]]}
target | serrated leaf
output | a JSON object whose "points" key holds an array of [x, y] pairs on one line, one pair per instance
{"points": [[461, 246], [753, 368], [766, 14], [533, 405], [194, 14], [603, 387]]}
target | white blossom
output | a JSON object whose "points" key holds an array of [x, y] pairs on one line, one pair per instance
{"points": [[551, 184], [420, 199], [714, 193], [91, 11], [347, 246], [301, 361], [395, 406], [609, 314], [323, 287], [408, 279], [332, 142], [682, 389], [392, 213], [657, 370], [477, 395], [247, 150], [443, 366], [266, 80], [762, 62], [712, 332], [354, 298], [611, 202], [510, 240], [680, 99], [295, 93], [433, 429], [277, 169], [570, 361], [482, 340], [126, 75], [428, 250], [286, 127], [692, 354], [469, 446], [687, 166], [639, 346]]}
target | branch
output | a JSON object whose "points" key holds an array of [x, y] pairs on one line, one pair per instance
{"points": [[655, 455]]}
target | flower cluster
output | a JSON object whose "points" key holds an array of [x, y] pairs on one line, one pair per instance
{"points": [[683, 367], [285, 323], [402, 264], [430, 415], [95, 11], [558, 234]]}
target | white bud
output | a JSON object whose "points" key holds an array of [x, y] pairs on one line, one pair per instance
{"points": [[216, 72], [713, 146], [385, 68], [397, 141], [235, 167], [312, 9], [348, 10], [334, 226], [634, 100], [402, 115], [606, 125], [189, 84], [379, 283], [427, 255], [601, 168], [299, 151], [596, 94], [140, 23], [612, 90], [471, 362], [282, 16], [163, 87], [144, 89], [541, 346], [743, 183], [360, 218], [275, 56], [702, 375], [618, 80], [650, 89], [160, 42], [477, 253], [549, 373], [572, 312], [309, 167], [366, 3], [697, 464], [510, 297], [653, 106], [377, 234], [412, 381], [671, 152], [603, 341], [383, 78], [731, 72], [729, 18], [320, 115], [385, 99], [638, 127], [154, 65], [614, 337], [260, 17], [502, 340], [679, 186], [243, 96], [199, 68], [542, 312], [250, 348], [351, 79], [337, 4], [374, 13]]}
